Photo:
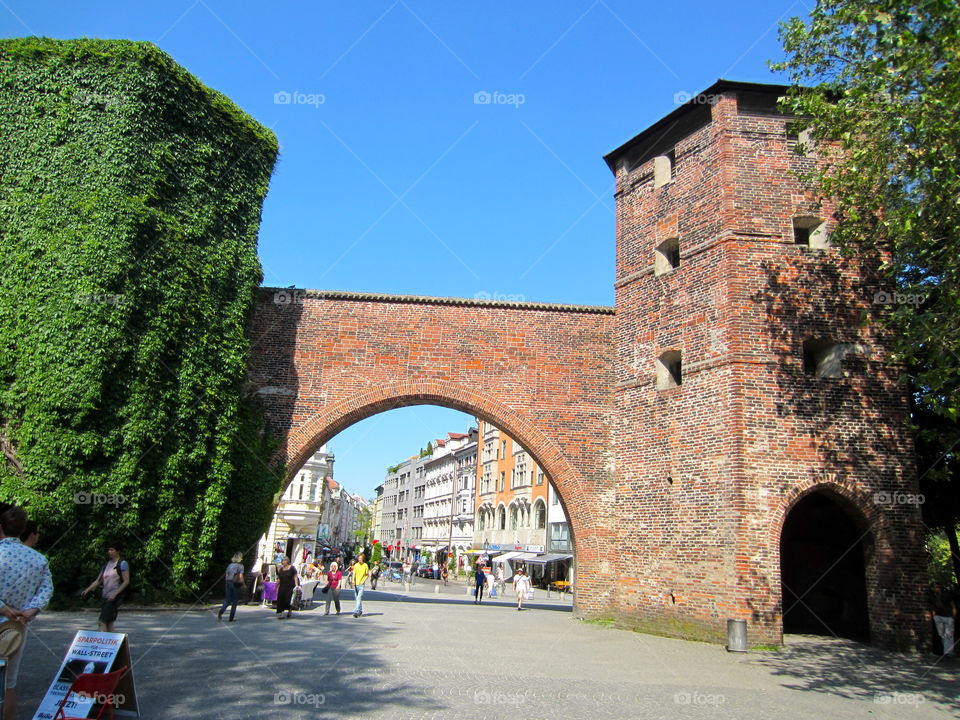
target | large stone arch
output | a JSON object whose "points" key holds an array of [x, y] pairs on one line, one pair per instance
{"points": [[321, 361]]}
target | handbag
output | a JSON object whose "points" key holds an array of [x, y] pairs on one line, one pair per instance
{"points": [[325, 589]]}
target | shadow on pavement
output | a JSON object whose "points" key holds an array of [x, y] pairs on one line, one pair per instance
{"points": [[857, 671], [435, 599]]}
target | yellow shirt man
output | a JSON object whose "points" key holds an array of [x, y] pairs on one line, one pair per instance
{"points": [[360, 572]]}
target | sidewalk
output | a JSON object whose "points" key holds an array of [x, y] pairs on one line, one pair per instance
{"points": [[427, 654]]}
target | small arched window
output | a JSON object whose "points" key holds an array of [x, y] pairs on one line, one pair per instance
{"points": [[513, 517], [502, 513], [541, 515]]}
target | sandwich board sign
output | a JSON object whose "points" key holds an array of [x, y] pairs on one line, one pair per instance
{"points": [[92, 652]]}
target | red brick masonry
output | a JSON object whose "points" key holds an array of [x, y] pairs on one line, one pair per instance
{"points": [[676, 497]]}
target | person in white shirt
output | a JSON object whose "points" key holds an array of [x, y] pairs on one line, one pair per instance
{"points": [[521, 585], [26, 587]]}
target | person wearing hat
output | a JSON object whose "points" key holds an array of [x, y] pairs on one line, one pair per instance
{"points": [[26, 587]]}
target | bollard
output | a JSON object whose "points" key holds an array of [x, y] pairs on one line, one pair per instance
{"points": [[736, 635]]}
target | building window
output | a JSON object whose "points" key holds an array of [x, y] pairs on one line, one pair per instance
{"points": [[541, 515], [666, 257], [669, 370], [663, 169], [482, 519], [502, 513], [810, 232], [503, 478], [824, 358], [513, 517], [540, 478]]}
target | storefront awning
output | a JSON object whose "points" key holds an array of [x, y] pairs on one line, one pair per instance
{"points": [[549, 558], [507, 556]]}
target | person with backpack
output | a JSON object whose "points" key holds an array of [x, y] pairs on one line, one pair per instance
{"points": [[234, 584], [115, 578]]}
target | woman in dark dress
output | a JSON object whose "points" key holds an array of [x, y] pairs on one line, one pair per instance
{"points": [[287, 580]]}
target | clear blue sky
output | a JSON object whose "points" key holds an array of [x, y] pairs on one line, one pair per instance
{"points": [[393, 179]]}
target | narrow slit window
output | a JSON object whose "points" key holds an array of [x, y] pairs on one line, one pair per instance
{"points": [[663, 166], [666, 256], [669, 370]]}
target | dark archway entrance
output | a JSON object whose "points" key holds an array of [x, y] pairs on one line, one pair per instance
{"points": [[823, 551]]}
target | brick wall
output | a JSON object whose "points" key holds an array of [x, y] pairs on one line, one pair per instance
{"points": [[676, 496], [541, 373], [707, 471]]}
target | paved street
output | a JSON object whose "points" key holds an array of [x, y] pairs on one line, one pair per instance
{"points": [[419, 654]]}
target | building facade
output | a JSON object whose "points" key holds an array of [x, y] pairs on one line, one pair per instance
{"points": [[511, 497]]}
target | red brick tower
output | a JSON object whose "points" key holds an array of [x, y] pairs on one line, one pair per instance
{"points": [[764, 466]]}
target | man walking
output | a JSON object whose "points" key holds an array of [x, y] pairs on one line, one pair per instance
{"points": [[480, 579], [26, 586], [360, 572]]}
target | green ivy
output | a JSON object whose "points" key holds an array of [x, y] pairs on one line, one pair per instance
{"points": [[130, 200]]}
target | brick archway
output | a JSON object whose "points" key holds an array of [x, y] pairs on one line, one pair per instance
{"points": [[322, 361]]}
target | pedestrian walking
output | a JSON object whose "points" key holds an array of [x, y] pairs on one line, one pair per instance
{"points": [[480, 579], [334, 576], [444, 574], [500, 581], [374, 576], [287, 581], [233, 584], [26, 587], [943, 608], [360, 573], [521, 586], [114, 577]]}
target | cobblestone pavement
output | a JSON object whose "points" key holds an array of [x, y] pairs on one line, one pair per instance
{"points": [[421, 654]]}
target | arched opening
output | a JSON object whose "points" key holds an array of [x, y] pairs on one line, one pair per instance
{"points": [[824, 545], [496, 515]]}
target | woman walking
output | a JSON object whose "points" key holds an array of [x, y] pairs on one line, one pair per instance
{"points": [[521, 585], [115, 578], [287, 580], [234, 583], [334, 576]]}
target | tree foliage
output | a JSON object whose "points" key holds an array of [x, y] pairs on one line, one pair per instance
{"points": [[129, 211], [877, 82]]}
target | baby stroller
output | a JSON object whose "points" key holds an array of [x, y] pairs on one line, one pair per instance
{"points": [[395, 576]]}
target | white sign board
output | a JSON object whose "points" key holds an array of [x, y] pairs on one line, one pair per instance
{"points": [[91, 652]]}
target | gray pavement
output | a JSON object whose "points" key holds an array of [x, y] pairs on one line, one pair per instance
{"points": [[420, 654]]}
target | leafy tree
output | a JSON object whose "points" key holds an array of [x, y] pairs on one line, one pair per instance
{"points": [[879, 81]]}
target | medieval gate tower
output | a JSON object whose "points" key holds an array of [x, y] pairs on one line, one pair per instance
{"points": [[730, 441]]}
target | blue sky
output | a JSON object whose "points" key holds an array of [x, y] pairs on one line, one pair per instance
{"points": [[393, 178]]}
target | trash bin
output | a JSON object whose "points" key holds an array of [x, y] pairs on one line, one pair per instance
{"points": [[736, 635]]}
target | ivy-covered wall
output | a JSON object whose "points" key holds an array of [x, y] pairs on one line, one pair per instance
{"points": [[130, 200]]}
